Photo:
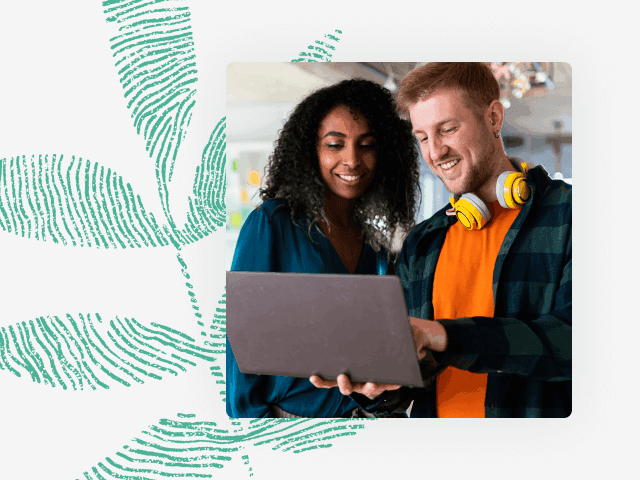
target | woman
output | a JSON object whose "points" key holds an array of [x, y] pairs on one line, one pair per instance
{"points": [[342, 178]]}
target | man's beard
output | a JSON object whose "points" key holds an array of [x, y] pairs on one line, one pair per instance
{"points": [[480, 172]]}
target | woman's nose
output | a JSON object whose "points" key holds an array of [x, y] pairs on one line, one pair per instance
{"points": [[351, 156]]}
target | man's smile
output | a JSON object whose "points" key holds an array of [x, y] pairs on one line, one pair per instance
{"points": [[449, 165]]}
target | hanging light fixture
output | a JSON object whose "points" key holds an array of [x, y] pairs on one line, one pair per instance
{"points": [[518, 79]]}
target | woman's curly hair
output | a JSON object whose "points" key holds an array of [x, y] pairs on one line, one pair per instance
{"points": [[293, 171]]}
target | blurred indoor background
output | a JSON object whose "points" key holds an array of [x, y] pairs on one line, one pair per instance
{"points": [[260, 96]]}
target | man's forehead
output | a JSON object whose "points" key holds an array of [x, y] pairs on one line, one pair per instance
{"points": [[438, 106]]}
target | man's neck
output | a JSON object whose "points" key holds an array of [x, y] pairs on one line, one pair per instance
{"points": [[487, 192]]}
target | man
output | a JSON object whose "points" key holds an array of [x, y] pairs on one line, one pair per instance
{"points": [[487, 285]]}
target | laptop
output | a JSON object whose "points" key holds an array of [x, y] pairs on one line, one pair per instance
{"points": [[298, 325]]}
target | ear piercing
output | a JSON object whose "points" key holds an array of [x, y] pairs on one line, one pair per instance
{"points": [[495, 134]]}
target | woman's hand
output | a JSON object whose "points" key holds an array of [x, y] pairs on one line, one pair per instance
{"points": [[427, 335], [370, 390]]}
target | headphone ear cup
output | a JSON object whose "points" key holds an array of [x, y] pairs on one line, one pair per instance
{"points": [[480, 206], [512, 189], [521, 191], [500, 189], [472, 212]]}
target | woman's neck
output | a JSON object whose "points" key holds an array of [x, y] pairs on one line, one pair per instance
{"points": [[338, 210]]}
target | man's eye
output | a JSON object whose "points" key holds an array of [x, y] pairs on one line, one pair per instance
{"points": [[449, 130], [423, 140]]}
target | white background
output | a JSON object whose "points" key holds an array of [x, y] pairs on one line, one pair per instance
{"points": [[60, 94]]}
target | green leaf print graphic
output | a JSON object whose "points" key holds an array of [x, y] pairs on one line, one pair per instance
{"points": [[72, 201], [186, 448], [76, 202], [88, 352], [79, 204], [156, 66], [321, 50]]}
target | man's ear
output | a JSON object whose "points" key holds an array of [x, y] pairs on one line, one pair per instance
{"points": [[495, 115]]}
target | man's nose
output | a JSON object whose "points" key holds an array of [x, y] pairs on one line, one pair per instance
{"points": [[437, 148]]}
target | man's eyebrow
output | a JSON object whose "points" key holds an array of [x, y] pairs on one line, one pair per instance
{"points": [[440, 123], [448, 119]]}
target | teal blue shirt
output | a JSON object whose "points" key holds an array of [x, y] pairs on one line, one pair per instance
{"points": [[270, 242]]}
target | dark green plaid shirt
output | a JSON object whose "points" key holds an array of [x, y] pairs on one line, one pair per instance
{"points": [[526, 347]]}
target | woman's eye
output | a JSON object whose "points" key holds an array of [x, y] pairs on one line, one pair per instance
{"points": [[369, 146], [334, 146]]}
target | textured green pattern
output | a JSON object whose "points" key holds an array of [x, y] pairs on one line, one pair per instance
{"points": [[184, 447], [77, 202], [216, 335], [207, 209], [296, 435], [189, 448], [178, 448], [321, 50], [72, 201], [85, 352], [157, 69]]}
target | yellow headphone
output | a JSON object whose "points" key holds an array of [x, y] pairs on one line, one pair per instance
{"points": [[512, 192]]}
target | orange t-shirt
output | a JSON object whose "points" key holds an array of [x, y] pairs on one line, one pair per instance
{"points": [[462, 288]]}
